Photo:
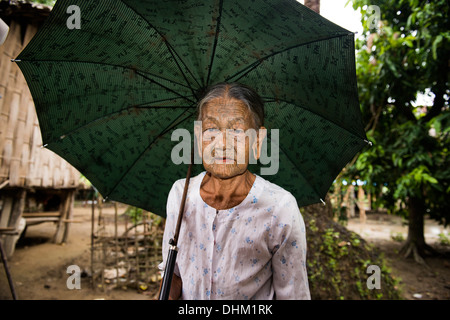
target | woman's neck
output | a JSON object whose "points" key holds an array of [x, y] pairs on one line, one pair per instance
{"points": [[226, 193]]}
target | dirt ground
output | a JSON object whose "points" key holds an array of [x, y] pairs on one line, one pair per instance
{"points": [[416, 282], [39, 267]]}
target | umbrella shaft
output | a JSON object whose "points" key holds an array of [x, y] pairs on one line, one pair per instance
{"points": [[173, 250], [168, 273]]}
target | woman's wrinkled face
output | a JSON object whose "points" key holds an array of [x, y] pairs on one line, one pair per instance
{"points": [[225, 137]]}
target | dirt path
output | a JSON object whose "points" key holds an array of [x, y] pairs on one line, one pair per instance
{"points": [[39, 267], [417, 282]]}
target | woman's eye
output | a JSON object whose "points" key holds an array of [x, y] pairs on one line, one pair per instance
{"points": [[210, 133], [237, 132]]}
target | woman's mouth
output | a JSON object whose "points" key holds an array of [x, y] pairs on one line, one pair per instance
{"points": [[224, 160]]}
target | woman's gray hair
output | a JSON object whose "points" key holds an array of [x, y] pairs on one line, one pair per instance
{"points": [[235, 91]]}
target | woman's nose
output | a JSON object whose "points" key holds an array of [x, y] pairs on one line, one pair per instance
{"points": [[225, 139]]}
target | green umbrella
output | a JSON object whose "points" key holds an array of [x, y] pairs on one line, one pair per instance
{"points": [[111, 81]]}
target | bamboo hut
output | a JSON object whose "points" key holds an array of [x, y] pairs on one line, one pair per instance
{"points": [[30, 176]]}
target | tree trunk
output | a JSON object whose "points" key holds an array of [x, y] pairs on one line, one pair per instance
{"points": [[415, 243], [313, 5]]}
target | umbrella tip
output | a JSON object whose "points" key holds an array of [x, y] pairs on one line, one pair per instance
{"points": [[15, 60], [323, 202], [368, 142]]}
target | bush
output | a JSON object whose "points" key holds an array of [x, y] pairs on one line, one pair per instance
{"points": [[337, 262]]}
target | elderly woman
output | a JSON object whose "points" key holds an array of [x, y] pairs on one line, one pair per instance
{"points": [[242, 236]]}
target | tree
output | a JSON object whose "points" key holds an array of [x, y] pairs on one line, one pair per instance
{"points": [[404, 53]]}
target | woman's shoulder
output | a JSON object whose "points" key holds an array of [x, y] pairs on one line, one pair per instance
{"points": [[178, 185], [284, 204], [273, 190]]}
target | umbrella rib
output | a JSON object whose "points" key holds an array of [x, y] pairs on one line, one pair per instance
{"points": [[319, 115], [108, 64], [142, 106], [171, 125], [171, 50], [72, 97], [255, 64], [216, 38], [178, 65], [168, 89]]}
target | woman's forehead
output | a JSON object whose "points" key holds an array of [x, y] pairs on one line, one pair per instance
{"points": [[225, 108]]}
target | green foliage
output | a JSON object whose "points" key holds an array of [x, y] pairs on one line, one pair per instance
{"points": [[409, 162], [443, 239], [398, 237], [136, 215], [46, 2], [406, 54]]}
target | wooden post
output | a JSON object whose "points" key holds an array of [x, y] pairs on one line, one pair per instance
{"points": [[92, 239], [69, 215], [8, 274], [100, 207], [6, 210], [18, 205], [63, 207]]}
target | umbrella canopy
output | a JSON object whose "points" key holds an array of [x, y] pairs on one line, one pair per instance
{"points": [[110, 91]]}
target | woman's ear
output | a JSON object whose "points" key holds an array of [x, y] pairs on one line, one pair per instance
{"points": [[257, 145], [198, 137]]}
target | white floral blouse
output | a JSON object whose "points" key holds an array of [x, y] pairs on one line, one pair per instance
{"points": [[255, 250]]}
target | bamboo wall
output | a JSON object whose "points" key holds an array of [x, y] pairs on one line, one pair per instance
{"points": [[22, 160]]}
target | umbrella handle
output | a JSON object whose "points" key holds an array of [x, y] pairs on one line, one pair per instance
{"points": [[168, 273], [173, 249]]}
